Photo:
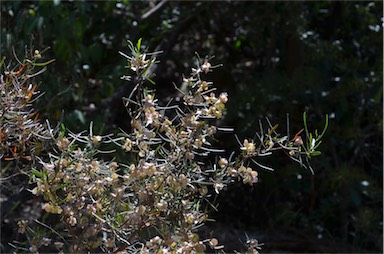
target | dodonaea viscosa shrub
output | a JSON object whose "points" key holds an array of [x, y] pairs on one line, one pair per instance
{"points": [[157, 197]]}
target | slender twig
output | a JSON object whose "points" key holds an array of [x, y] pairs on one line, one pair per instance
{"points": [[153, 10], [50, 228]]}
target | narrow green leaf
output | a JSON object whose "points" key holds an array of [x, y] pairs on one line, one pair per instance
{"points": [[325, 127], [151, 81], [315, 153], [2, 61], [62, 130], [138, 45], [317, 144], [37, 173], [273, 129], [310, 141], [305, 124], [41, 64]]}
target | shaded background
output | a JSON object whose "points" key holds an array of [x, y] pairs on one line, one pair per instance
{"points": [[278, 58]]}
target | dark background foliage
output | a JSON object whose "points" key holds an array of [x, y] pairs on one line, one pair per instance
{"points": [[278, 58]]}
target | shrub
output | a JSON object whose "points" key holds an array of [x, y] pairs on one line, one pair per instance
{"points": [[22, 137], [154, 197]]}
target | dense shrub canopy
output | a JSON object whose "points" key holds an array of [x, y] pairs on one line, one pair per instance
{"points": [[278, 58]]}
